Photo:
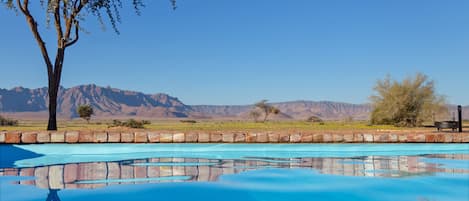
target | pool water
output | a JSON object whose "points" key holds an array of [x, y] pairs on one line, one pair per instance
{"points": [[418, 172]]}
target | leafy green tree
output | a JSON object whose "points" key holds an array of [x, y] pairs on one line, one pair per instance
{"points": [[85, 112], [266, 108], [66, 16], [407, 103]]}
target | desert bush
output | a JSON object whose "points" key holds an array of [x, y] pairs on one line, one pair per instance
{"points": [[188, 121], [8, 122], [407, 103], [85, 112], [131, 123], [314, 119]]}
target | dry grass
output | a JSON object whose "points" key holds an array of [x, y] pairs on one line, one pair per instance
{"points": [[211, 125]]}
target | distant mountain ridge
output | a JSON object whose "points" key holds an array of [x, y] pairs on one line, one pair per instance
{"points": [[105, 101], [110, 102]]}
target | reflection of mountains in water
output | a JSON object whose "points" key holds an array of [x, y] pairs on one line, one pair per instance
{"points": [[154, 170]]}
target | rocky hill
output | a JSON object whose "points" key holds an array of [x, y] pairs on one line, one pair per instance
{"points": [[293, 110], [105, 101], [109, 102]]}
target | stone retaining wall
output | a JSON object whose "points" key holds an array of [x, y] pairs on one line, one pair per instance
{"points": [[230, 137]]}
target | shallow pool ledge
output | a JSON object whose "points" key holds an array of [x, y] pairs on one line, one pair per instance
{"points": [[73, 137]]}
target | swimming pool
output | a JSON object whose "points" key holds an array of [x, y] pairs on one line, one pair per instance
{"points": [[419, 172]]}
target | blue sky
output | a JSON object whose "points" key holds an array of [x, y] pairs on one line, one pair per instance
{"points": [[239, 52]]}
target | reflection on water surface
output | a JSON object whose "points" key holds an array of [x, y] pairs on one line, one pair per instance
{"points": [[154, 170]]}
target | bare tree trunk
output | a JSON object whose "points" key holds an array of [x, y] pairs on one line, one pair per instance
{"points": [[265, 116], [53, 92], [54, 84], [52, 125]]}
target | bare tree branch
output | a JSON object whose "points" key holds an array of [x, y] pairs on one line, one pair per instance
{"points": [[58, 26], [77, 30], [33, 26]]}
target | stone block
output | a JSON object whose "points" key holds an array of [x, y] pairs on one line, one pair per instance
{"points": [[153, 137], [262, 138], [179, 137], [273, 137], [113, 137], [43, 137], [381, 138], [203, 137], [70, 173], [337, 137], [70, 176], [448, 138], [29, 137], [251, 137], [440, 137], [42, 177], [71, 136], [100, 137], [348, 137], [430, 138], [191, 137], [55, 176], [411, 137], [420, 137], [358, 137], [2, 137], [216, 137], [57, 137], [228, 137], [457, 137], [86, 137], [306, 137], [284, 138], [393, 137], [465, 138], [13, 138], [127, 137], [402, 137], [166, 137], [295, 138], [141, 137], [368, 138], [318, 138], [327, 138], [240, 137]]}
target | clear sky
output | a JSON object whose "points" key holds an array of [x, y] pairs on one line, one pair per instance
{"points": [[242, 51]]}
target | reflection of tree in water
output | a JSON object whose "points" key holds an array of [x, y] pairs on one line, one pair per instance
{"points": [[53, 196]]}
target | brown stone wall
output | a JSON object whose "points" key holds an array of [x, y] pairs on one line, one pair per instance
{"points": [[71, 137]]}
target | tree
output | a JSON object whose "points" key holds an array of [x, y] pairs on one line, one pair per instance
{"points": [[407, 103], [66, 16], [85, 112], [254, 114], [266, 108]]}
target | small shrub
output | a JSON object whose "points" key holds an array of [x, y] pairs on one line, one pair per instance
{"points": [[131, 123], [8, 122], [188, 121], [314, 119]]}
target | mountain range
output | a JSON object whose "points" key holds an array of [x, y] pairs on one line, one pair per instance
{"points": [[110, 102]]}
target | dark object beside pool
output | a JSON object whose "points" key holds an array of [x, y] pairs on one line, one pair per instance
{"points": [[446, 124]]}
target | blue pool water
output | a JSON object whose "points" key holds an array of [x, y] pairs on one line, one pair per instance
{"points": [[251, 172]]}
